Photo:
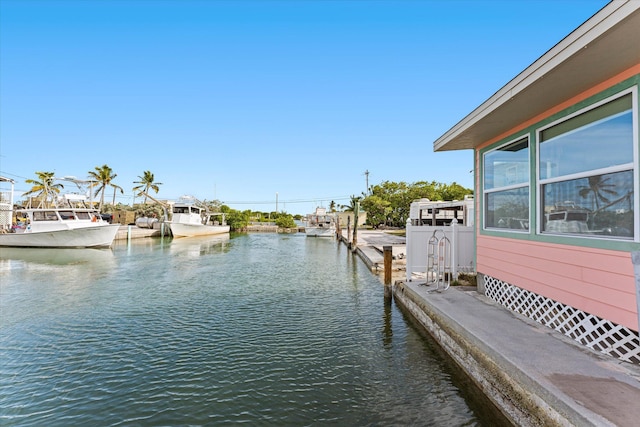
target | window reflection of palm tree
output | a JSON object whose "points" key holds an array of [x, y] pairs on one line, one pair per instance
{"points": [[599, 187]]}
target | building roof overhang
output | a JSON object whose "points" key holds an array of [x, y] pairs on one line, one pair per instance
{"points": [[604, 46]]}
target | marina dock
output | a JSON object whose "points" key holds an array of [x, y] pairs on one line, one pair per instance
{"points": [[535, 375], [133, 232]]}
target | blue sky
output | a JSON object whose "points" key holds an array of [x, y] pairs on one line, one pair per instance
{"points": [[242, 100]]}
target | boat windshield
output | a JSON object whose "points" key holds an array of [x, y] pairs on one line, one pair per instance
{"points": [[45, 216], [83, 215], [67, 215]]}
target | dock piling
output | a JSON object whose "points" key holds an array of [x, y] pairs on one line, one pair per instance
{"points": [[388, 261]]}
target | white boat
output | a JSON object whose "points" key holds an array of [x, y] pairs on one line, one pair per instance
{"points": [[74, 225], [191, 218], [567, 218], [320, 224]]}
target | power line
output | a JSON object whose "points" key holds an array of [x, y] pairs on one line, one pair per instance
{"points": [[264, 202]]}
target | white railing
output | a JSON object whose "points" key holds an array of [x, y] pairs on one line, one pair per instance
{"points": [[6, 205], [462, 243]]}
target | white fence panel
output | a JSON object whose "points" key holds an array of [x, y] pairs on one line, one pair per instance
{"points": [[462, 248]]}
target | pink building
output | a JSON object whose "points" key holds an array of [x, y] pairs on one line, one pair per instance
{"points": [[557, 185]]}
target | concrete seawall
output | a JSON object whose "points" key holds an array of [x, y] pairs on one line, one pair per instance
{"points": [[517, 396], [133, 232]]}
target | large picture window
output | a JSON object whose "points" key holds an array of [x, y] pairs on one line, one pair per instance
{"points": [[586, 173], [506, 186]]}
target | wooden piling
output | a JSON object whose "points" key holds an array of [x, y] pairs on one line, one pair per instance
{"points": [[388, 262], [355, 225]]}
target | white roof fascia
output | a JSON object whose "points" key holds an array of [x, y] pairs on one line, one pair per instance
{"points": [[594, 27]]}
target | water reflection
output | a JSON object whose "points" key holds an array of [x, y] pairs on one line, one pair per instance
{"points": [[55, 256], [200, 245]]}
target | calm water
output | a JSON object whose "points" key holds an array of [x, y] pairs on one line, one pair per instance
{"points": [[260, 329]]}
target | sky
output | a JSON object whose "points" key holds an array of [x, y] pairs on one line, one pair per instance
{"points": [[261, 104]]}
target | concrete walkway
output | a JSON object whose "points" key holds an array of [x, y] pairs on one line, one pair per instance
{"points": [[535, 375], [371, 245]]}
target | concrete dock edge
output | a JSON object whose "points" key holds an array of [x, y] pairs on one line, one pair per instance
{"points": [[520, 398]]}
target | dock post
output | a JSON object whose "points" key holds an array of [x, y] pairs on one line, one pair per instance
{"points": [[129, 234], [355, 225], [388, 257]]}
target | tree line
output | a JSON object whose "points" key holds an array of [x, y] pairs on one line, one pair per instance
{"points": [[387, 204], [45, 187]]}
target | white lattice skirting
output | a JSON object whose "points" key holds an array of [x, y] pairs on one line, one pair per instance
{"points": [[596, 333]]}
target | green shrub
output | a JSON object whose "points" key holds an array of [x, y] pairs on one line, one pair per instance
{"points": [[285, 221]]}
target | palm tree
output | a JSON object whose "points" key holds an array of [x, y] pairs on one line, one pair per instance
{"points": [[146, 182], [352, 204], [44, 186], [104, 175], [599, 188]]}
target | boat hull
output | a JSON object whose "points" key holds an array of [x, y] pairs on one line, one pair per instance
{"points": [[320, 224], [83, 237], [190, 230], [320, 231]]}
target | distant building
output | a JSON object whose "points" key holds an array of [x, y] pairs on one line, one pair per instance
{"points": [[343, 218], [557, 175]]}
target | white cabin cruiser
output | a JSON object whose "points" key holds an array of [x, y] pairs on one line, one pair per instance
{"points": [[70, 224], [191, 218], [320, 224]]}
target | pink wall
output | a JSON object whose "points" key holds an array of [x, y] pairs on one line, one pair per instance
{"points": [[600, 282]]}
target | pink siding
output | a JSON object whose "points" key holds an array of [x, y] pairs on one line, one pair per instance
{"points": [[600, 282]]}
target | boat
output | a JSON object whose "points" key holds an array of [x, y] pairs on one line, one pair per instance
{"points": [[567, 218], [320, 224], [192, 218], [69, 223]]}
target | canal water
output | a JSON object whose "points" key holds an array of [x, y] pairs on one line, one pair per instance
{"points": [[257, 329]]}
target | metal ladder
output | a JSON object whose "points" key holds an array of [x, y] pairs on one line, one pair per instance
{"points": [[439, 261]]}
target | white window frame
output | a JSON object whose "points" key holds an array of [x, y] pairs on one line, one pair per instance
{"points": [[527, 184]]}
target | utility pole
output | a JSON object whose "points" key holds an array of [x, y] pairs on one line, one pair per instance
{"points": [[366, 174], [276, 202]]}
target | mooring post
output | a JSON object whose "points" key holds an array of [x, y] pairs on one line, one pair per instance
{"points": [[388, 257], [348, 232], [355, 225]]}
